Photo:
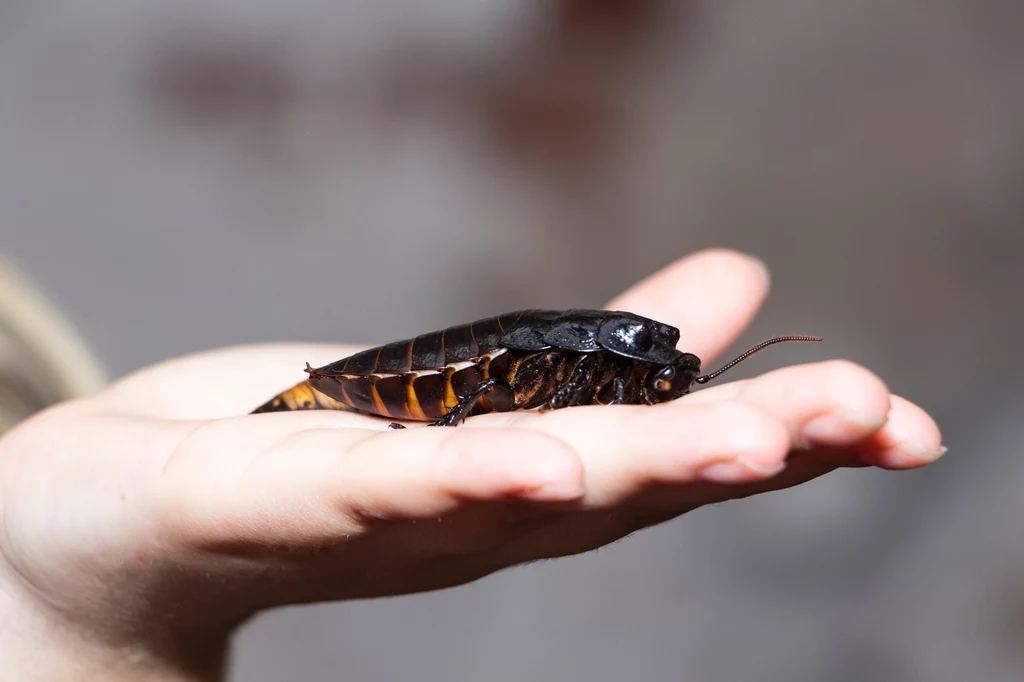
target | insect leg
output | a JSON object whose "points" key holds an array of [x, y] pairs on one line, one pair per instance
{"points": [[570, 392], [616, 387], [461, 411], [620, 391]]}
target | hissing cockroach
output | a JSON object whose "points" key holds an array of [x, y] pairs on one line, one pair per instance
{"points": [[517, 361]]}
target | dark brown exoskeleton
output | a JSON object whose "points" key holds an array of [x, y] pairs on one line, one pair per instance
{"points": [[547, 359]]}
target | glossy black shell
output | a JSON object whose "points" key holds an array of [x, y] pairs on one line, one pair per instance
{"points": [[577, 330]]}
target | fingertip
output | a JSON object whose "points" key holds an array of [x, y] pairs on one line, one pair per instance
{"points": [[859, 406], [749, 272], [910, 439], [718, 273], [728, 257], [926, 428]]}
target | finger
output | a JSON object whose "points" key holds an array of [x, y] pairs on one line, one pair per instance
{"points": [[826, 404], [839, 405], [628, 448], [711, 296], [909, 439], [249, 482]]}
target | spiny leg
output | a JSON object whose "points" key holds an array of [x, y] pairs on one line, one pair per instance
{"points": [[619, 386], [462, 409], [570, 392], [613, 387]]}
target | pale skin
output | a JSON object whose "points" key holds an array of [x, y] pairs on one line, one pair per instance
{"points": [[140, 527]]}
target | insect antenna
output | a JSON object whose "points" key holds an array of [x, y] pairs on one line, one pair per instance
{"points": [[764, 344]]}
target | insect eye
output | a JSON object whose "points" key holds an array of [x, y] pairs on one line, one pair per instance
{"points": [[663, 382]]}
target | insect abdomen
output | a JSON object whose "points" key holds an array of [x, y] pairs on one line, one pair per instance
{"points": [[301, 397], [416, 396]]}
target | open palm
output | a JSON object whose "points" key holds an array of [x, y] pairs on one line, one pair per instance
{"points": [[159, 515]]}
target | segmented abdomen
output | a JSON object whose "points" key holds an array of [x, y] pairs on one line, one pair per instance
{"points": [[418, 395], [301, 397]]}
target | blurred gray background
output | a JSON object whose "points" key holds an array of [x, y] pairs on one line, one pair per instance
{"points": [[183, 175]]}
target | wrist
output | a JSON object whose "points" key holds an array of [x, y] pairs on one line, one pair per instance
{"points": [[39, 645]]}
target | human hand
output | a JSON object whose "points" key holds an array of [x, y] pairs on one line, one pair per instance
{"points": [[142, 525]]}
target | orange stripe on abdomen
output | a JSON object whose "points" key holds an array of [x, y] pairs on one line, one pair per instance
{"points": [[430, 392], [412, 401], [393, 395], [378, 403]]}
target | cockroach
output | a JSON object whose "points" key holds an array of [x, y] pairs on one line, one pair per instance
{"points": [[546, 359]]}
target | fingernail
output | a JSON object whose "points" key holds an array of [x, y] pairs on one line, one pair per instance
{"points": [[922, 451], [739, 470], [837, 426]]}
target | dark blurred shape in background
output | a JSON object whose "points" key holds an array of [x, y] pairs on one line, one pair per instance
{"points": [[184, 175]]}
